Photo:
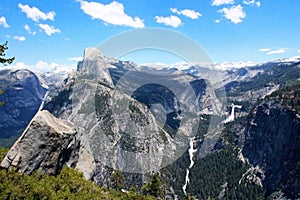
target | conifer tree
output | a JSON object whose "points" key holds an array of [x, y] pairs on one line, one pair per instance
{"points": [[153, 187], [117, 180], [3, 60]]}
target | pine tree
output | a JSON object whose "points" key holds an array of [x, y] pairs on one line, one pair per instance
{"points": [[153, 187], [4, 60], [117, 180]]}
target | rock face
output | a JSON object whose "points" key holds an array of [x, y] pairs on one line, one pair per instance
{"points": [[23, 93], [115, 129], [46, 145], [94, 67], [112, 115], [272, 143]]}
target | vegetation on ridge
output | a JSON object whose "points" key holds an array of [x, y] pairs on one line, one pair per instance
{"points": [[69, 184]]}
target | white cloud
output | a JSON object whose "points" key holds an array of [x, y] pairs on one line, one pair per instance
{"points": [[264, 49], [235, 14], [186, 12], [252, 2], [43, 66], [222, 2], [18, 65], [3, 22], [218, 21], [272, 51], [35, 14], [249, 2], [172, 20], [49, 30], [20, 38], [76, 58], [299, 51], [112, 13], [27, 28], [277, 51]]}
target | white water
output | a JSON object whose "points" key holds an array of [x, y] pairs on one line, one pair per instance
{"points": [[231, 117], [191, 154]]}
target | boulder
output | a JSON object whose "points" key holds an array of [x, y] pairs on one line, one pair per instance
{"points": [[47, 144]]}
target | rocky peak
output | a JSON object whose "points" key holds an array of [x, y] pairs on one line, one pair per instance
{"points": [[93, 66], [92, 54]]}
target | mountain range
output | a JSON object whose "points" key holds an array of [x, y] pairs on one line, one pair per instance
{"points": [[208, 133]]}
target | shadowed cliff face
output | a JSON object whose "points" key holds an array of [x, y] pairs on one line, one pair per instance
{"points": [[113, 115], [22, 96], [272, 142], [114, 129]]}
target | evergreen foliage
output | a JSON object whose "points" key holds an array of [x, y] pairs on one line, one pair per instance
{"points": [[69, 184], [153, 187], [288, 96], [117, 180], [3, 60], [216, 175]]}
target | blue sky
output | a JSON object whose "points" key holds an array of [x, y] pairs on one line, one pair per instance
{"points": [[49, 33]]}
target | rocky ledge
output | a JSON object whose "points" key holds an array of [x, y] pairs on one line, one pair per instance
{"points": [[46, 145]]}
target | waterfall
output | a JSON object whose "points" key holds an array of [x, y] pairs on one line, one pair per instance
{"points": [[231, 117], [191, 155]]}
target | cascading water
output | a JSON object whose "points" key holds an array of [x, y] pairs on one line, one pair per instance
{"points": [[231, 117], [191, 155]]}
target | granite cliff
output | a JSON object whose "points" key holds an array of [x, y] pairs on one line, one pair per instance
{"points": [[23, 93], [112, 114]]}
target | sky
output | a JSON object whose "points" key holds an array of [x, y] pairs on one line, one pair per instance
{"points": [[53, 33]]}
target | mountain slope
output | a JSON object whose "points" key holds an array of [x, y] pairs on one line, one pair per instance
{"points": [[23, 94], [142, 120]]}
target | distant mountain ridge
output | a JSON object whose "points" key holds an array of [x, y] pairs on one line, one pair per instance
{"points": [[255, 156], [23, 93]]}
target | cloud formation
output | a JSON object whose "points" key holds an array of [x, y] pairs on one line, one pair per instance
{"points": [[42, 66], [113, 13], [3, 22], [20, 38], [235, 14], [222, 2], [252, 2], [28, 30], [35, 14], [172, 20], [273, 51], [76, 58], [49, 30], [277, 51], [264, 49], [187, 13]]}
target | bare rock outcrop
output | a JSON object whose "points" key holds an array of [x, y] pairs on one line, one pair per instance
{"points": [[94, 67], [47, 144]]}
